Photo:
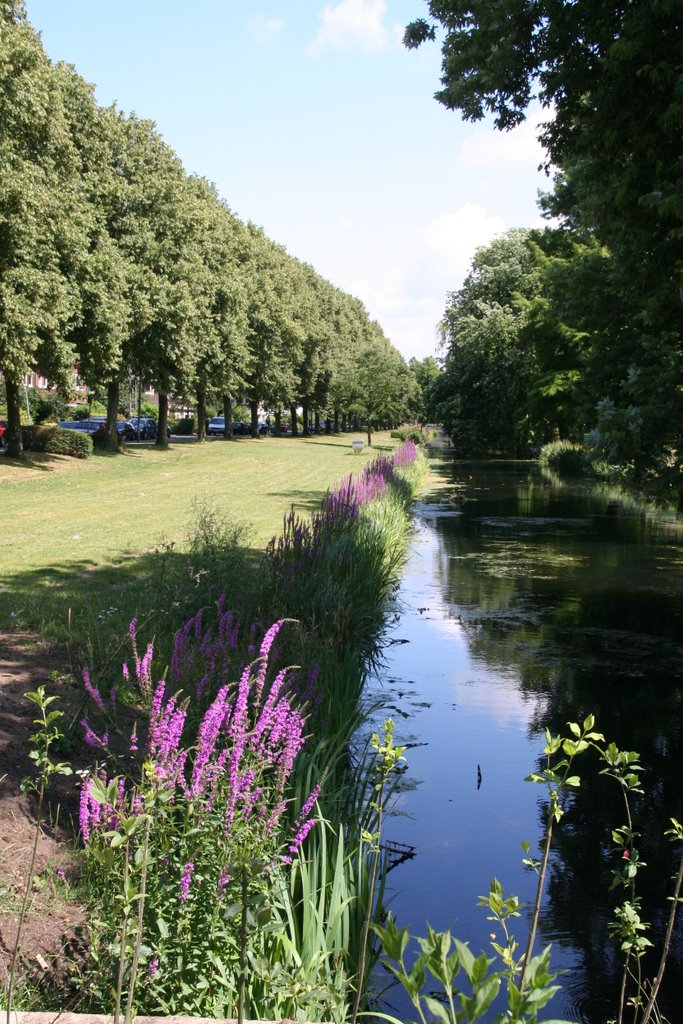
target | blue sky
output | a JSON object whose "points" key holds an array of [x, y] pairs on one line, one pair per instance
{"points": [[316, 123]]}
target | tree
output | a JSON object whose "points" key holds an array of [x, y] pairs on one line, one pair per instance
{"points": [[611, 74], [41, 212], [101, 272], [382, 383], [273, 333], [427, 372], [482, 398], [223, 355], [158, 224]]}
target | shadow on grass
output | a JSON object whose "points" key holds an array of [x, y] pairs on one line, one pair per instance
{"points": [[32, 460], [90, 607]]}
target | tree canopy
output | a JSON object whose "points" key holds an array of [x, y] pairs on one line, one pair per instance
{"points": [[606, 322], [116, 263]]}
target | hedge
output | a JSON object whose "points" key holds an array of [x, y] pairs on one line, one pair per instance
{"points": [[57, 441]]}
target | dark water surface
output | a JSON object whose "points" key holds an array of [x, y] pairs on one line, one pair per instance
{"points": [[528, 604]]}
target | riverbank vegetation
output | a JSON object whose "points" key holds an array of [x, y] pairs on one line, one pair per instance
{"points": [[226, 737], [573, 332]]}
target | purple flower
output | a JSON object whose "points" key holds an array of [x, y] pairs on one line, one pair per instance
{"points": [[91, 738], [152, 967], [185, 880], [91, 690], [89, 812]]}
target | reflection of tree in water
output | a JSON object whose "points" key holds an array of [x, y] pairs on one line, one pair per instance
{"points": [[586, 608]]}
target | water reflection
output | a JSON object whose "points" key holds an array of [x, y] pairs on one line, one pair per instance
{"points": [[529, 604]]}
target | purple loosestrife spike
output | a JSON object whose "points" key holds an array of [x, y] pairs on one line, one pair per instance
{"points": [[91, 738], [89, 812], [91, 690], [209, 729], [152, 968], [264, 653], [185, 880], [143, 671], [266, 717]]}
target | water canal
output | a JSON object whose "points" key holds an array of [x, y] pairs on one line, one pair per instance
{"points": [[528, 603]]}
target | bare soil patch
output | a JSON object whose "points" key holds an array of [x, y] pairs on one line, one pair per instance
{"points": [[53, 919]]}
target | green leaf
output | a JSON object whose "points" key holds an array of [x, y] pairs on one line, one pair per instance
{"points": [[437, 1009]]}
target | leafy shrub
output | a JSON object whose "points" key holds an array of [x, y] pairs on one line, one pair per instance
{"points": [[413, 432], [84, 412], [58, 441], [47, 407], [185, 426], [565, 457]]}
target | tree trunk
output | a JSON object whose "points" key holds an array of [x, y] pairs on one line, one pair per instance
{"points": [[336, 421], [201, 415], [369, 430], [304, 415], [316, 416], [292, 413], [13, 440], [162, 439], [253, 405], [112, 442], [227, 417], [278, 422]]}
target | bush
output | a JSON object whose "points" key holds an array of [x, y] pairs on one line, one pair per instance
{"points": [[565, 457], [185, 426], [413, 432], [47, 407], [57, 441]]}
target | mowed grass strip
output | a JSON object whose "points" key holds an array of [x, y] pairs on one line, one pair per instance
{"points": [[64, 516]]}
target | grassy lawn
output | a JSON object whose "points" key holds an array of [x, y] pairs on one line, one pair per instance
{"points": [[74, 530]]}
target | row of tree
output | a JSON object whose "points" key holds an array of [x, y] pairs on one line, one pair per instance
{"points": [[577, 329], [114, 260]]}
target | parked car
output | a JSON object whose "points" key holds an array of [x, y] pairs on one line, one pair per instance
{"points": [[124, 428], [88, 426], [148, 428], [216, 425]]}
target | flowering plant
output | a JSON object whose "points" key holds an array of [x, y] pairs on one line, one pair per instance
{"points": [[216, 828]]}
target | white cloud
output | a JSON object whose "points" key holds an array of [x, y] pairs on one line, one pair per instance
{"points": [[490, 149], [450, 241], [353, 24], [264, 29]]}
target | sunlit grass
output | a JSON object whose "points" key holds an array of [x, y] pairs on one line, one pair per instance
{"points": [[79, 536], [58, 510]]}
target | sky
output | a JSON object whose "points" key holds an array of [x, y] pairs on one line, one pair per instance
{"points": [[316, 123]]}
